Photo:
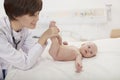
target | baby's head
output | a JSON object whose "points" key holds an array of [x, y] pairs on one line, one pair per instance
{"points": [[88, 49]]}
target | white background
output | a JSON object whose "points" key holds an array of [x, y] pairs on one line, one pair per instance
{"points": [[73, 29]]}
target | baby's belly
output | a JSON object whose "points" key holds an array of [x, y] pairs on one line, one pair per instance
{"points": [[65, 50], [66, 53]]}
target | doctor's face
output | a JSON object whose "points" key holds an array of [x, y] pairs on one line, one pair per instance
{"points": [[88, 49], [28, 21]]}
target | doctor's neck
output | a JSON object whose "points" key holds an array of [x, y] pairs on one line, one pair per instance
{"points": [[16, 25]]}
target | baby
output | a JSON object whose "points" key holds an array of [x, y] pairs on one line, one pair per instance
{"points": [[65, 52]]}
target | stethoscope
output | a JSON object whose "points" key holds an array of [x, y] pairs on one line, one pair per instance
{"points": [[13, 38]]}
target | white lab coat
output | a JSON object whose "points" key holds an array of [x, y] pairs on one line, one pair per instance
{"points": [[1, 77], [28, 50]]}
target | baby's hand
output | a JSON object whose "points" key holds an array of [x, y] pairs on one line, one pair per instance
{"points": [[78, 67], [65, 43], [78, 64]]}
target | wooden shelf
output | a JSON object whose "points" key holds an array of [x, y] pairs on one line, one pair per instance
{"points": [[115, 33]]}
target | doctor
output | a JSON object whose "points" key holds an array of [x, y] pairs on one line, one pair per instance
{"points": [[17, 47]]}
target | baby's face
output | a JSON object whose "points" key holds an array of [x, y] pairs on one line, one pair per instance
{"points": [[88, 49]]}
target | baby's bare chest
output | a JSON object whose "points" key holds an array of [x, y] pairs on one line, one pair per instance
{"points": [[67, 49]]}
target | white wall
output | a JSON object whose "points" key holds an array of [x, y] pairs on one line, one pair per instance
{"points": [[84, 31], [64, 13], [2, 12]]}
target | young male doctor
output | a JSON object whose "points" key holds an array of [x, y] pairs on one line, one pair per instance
{"points": [[17, 47]]}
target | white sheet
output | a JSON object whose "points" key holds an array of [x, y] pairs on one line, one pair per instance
{"points": [[105, 66]]}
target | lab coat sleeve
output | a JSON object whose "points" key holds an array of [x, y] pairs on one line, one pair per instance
{"points": [[19, 59], [1, 75], [29, 41]]}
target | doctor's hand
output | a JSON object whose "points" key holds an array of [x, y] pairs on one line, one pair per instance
{"points": [[49, 33], [53, 25]]}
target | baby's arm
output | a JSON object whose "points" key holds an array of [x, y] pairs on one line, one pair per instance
{"points": [[78, 62]]}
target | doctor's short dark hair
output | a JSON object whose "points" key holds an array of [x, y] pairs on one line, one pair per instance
{"points": [[16, 8]]}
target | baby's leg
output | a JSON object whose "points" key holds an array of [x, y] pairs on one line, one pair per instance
{"points": [[54, 48]]}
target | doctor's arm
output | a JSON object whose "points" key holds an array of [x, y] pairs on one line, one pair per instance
{"points": [[19, 59]]}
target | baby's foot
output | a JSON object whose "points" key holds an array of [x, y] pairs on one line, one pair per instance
{"points": [[52, 24]]}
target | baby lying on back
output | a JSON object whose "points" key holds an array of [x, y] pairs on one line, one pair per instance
{"points": [[65, 52]]}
